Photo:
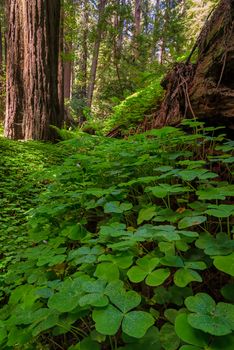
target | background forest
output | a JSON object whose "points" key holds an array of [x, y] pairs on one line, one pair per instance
{"points": [[116, 233], [111, 49]]}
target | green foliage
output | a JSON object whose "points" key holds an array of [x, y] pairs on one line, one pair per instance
{"points": [[135, 107], [130, 248], [21, 171]]}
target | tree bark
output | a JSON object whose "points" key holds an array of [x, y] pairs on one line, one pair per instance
{"points": [[32, 92], [14, 82], [1, 53], [101, 9], [204, 90]]}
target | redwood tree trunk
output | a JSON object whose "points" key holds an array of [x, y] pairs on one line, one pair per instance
{"points": [[1, 53], [32, 92], [14, 83]]}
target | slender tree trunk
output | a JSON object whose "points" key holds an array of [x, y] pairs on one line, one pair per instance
{"points": [[146, 16], [137, 17], [119, 26], [156, 30], [84, 58], [32, 92], [118, 42], [137, 27], [67, 71], [102, 4], [84, 61]]}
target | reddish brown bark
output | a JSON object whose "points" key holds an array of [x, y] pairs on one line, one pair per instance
{"points": [[1, 53], [32, 92], [14, 83]]}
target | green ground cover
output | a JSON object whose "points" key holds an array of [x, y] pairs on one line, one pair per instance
{"points": [[129, 244], [22, 165]]}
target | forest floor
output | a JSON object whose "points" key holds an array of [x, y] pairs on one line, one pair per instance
{"points": [[121, 244], [22, 166]]}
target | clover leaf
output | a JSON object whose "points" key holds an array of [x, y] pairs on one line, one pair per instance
{"points": [[220, 192], [225, 263], [136, 323], [107, 271], [188, 334], [157, 277], [219, 245], [168, 337], [146, 214], [86, 344], [163, 190], [209, 317], [108, 320], [145, 268], [201, 303], [125, 301], [184, 276], [95, 294], [123, 260], [149, 341], [191, 221], [117, 207], [64, 301], [165, 232], [67, 298], [220, 211]]}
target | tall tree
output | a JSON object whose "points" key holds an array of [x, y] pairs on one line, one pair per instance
{"points": [[2, 60], [100, 25], [84, 47], [32, 102], [137, 26]]}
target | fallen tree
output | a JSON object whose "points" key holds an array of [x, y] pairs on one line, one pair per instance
{"points": [[204, 89]]}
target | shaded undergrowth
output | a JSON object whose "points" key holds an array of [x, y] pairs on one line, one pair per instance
{"points": [[130, 247], [22, 165]]}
